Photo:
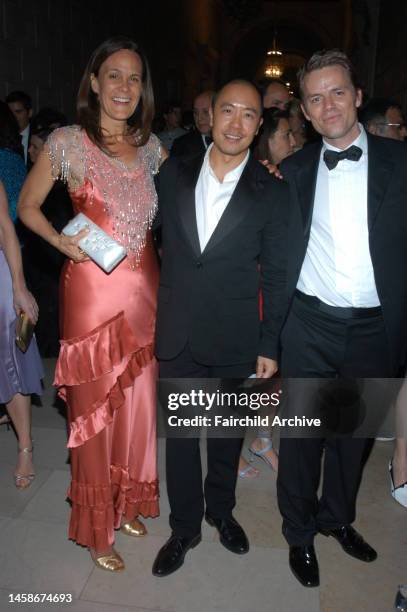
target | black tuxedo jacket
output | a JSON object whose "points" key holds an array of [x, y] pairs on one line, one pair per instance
{"points": [[387, 223], [211, 299], [188, 145]]}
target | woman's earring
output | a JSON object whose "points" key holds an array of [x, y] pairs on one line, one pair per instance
{"points": [[93, 85]]}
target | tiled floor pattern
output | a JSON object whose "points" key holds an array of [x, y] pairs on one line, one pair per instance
{"points": [[36, 557]]}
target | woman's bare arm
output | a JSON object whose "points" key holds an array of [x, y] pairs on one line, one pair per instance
{"points": [[37, 185], [164, 154], [22, 298]]}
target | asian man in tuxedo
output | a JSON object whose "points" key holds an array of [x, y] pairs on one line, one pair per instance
{"points": [[223, 237]]}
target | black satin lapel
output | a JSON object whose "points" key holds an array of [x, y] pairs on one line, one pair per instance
{"points": [[380, 170], [237, 208], [306, 180], [187, 180]]}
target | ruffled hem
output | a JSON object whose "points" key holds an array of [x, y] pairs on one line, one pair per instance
{"points": [[97, 510], [101, 413], [86, 358]]}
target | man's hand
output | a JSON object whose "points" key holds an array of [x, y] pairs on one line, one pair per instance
{"points": [[266, 368], [272, 168]]}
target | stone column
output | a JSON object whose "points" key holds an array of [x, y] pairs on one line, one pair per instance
{"points": [[201, 52]]}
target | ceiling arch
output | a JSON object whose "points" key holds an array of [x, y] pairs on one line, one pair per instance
{"points": [[297, 37]]}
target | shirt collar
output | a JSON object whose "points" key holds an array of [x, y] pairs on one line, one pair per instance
{"points": [[360, 141], [25, 131], [230, 177]]}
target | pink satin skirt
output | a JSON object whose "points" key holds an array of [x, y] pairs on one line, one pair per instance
{"points": [[106, 372]]}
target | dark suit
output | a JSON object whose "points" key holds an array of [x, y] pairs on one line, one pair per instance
{"points": [[375, 347], [208, 314], [188, 145]]}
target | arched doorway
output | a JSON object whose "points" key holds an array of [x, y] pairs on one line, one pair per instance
{"points": [[297, 39]]}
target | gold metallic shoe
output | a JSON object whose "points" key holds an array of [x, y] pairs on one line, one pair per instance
{"points": [[134, 528], [111, 562]]}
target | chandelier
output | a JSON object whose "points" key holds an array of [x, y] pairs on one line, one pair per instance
{"points": [[274, 64]]}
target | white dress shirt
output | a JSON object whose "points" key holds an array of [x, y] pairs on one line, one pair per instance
{"points": [[337, 267], [24, 140], [212, 196], [206, 145]]}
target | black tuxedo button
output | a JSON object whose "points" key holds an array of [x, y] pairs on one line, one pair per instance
{"points": [[199, 264]]}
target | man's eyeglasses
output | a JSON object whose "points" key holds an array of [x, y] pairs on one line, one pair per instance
{"points": [[399, 126]]}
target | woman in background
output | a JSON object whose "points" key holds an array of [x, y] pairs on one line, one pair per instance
{"points": [[12, 175], [274, 143], [12, 167], [398, 463], [20, 373], [275, 140], [298, 123]]}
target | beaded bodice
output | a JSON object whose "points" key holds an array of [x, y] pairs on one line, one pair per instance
{"points": [[128, 192]]}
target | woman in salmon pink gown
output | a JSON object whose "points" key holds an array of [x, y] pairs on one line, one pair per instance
{"points": [[106, 369]]}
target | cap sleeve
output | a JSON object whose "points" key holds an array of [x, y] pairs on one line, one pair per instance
{"points": [[63, 148], [154, 153]]}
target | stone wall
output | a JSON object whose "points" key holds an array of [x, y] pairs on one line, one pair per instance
{"points": [[45, 44], [391, 61]]}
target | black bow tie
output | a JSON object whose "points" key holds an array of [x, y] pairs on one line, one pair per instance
{"points": [[331, 158], [208, 140]]}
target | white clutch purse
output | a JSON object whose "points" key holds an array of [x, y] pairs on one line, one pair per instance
{"points": [[98, 245]]}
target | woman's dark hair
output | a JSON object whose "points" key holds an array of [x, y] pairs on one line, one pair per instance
{"points": [[9, 132], [271, 119], [42, 132], [48, 116], [88, 107]]}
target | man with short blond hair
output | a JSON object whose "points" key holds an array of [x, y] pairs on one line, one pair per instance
{"points": [[347, 289]]}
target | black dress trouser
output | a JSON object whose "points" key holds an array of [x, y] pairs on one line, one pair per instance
{"points": [[187, 495], [319, 345]]}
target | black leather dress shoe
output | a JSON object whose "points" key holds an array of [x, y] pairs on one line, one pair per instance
{"points": [[304, 565], [231, 534], [352, 542], [172, 554]]}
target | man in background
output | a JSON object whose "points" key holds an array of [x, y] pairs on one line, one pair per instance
{"points": [[276, 95], [20, 105], [383, 117], [199, 139], [172, 117]]}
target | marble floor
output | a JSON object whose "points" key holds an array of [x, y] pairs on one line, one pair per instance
{"points": [[36, 556]]}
